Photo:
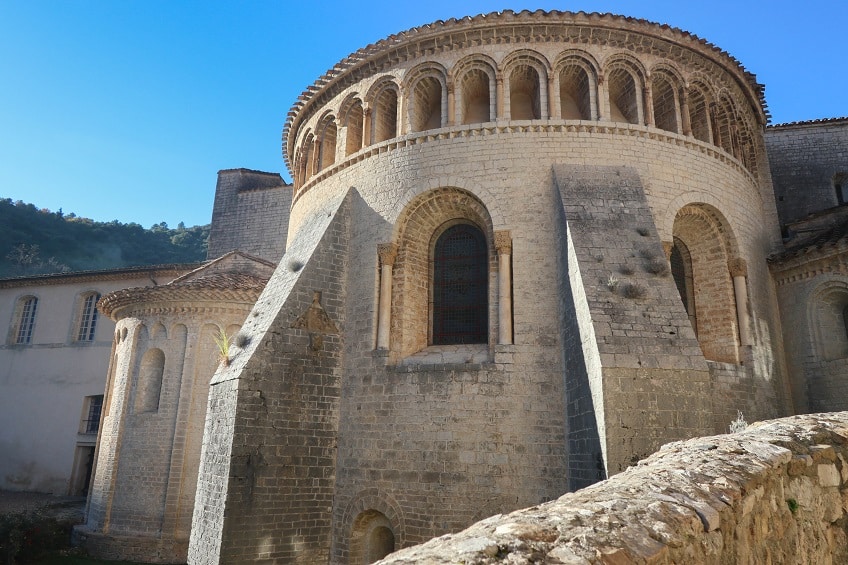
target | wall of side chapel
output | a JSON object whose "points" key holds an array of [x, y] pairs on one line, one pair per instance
{"points": [[143, 487], [805, 160]]}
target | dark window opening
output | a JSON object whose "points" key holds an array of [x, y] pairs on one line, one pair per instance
{"points": [[92, 422], [841, 193], [460, 287], [845, 319], [681, 272]]}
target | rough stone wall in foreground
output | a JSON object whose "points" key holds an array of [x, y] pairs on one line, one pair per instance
{"points": [[770, 494]]}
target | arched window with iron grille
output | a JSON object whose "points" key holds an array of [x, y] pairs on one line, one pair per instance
{"points": [[460, 286]]}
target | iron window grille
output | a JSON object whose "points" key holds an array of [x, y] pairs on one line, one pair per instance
{"points": [[88, 320], [92, 423], [27, 321], [460, 287]]}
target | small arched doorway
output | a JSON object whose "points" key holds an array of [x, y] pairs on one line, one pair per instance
{"points": [[371, 537]]}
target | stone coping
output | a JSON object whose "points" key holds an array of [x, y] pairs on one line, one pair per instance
{"points": [[772, 493]]}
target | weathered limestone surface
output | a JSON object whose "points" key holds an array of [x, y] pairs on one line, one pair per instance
{"points": [[266, 479], [774, 493]]}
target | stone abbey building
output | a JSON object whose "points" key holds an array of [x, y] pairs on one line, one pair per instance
{"points": [[521, 252]]}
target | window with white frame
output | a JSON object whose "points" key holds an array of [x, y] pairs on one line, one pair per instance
{"points": [[26, 320], [88, 317]]}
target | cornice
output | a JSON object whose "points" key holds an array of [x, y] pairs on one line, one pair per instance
{"points": [[160, 271]]}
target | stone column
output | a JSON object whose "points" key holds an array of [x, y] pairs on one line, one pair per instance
{"points": [[554, 98], [450, 104], [366, 126], [552, 105], [387, 253], [648, 96], [503, 245], [499, 98], [686, 119], [603, 100], [739, 272], [341, 141]]}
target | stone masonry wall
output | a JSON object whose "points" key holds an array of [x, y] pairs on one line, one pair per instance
{"points": [[772, 493], [804, 159], [251, 214], [267, 475]]}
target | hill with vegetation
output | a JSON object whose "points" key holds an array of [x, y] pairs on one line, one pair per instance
{"points": [[37, 241]]}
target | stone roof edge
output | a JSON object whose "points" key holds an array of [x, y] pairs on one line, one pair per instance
{"points": [[360, 57], [114, 302], [812, 122], [172, 269], [212, 262]]}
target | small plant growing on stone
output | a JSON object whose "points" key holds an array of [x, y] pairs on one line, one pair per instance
{"points": [[625, 270], [222, 341], [599, 258], [612, 282], [739, 423], [295, 265], [241, 340], [633, 290], [642, 231], [792, 504], [657, 267]]}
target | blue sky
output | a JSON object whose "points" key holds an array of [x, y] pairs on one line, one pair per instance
{"points": [[126, 109]]}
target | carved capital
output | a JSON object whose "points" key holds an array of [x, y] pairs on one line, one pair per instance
{"points": [[387, 253], [503, 242], [738, 267], [667, 247]]}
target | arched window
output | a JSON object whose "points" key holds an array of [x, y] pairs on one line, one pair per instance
{"points": [[385, 124], [353, 123], [699, 115], [327, 144], [88, 317], [524, 94], [460, 286], [681, 271], [25, 318], [575, 93], [476, 105], [666, 105], [623, 96], [427, 104]]}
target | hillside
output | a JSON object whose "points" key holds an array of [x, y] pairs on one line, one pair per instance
{"points": [[37, 241]]}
